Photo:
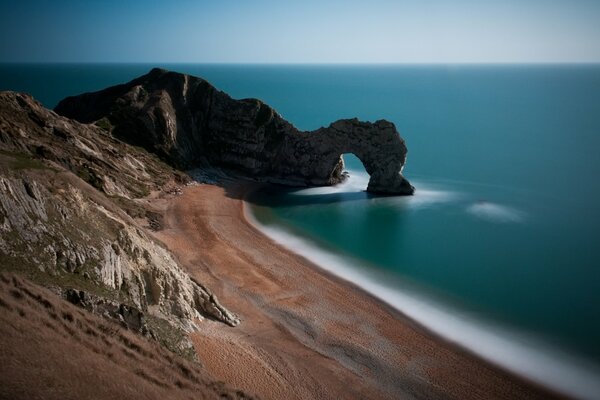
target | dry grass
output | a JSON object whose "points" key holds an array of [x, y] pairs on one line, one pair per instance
{"points": [[51, 349]]}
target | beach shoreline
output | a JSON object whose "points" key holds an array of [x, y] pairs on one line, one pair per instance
{"points": [[306, 332], [514, 351]]}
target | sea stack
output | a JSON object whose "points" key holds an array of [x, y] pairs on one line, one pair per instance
{"points": [[189, 123]]}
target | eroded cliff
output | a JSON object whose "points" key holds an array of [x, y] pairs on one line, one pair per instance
{"points": [[71, 216], [188, 122]]}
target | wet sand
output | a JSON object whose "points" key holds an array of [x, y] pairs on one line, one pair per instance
{"points": [[305, 333]]}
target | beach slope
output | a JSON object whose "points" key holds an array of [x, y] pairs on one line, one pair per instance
{"points": [[304, 332]]}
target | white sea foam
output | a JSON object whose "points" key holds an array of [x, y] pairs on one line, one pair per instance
{"points": [[356, 182], [426, 196], [495, 212], [505, 347]]}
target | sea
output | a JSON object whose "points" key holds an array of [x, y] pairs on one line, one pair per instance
{"points": [[499, 248]]}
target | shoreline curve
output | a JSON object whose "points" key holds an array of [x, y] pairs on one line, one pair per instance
{"points": [[506, 349]]}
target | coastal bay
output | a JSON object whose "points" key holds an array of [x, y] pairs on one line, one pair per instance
{"points": [[304, 332], [449, 240], [300, 200]]}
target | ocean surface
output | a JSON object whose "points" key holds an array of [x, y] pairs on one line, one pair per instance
{"points": [[502, 237]]}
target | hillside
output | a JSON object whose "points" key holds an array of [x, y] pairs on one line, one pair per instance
{"points": [[73, 219]]}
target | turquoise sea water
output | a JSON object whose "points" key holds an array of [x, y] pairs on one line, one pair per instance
{"points": [[505, 223]]}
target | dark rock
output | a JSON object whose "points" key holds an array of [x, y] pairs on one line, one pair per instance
{"points": [[127, 316], [187, 122], [113, 167]]}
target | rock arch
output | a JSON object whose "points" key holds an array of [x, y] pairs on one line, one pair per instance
{"points": [[377, 145], [188, 122]]}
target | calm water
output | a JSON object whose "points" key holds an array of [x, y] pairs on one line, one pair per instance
{"points": [[506, 219]]}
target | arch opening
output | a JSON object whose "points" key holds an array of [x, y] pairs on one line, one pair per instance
{"points": [[354, 171]]}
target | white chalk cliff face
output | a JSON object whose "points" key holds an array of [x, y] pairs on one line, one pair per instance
{"points": [[188, 122], [70, 231], [68, 195]]}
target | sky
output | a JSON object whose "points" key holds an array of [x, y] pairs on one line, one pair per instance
{"points": [[307, 31]]}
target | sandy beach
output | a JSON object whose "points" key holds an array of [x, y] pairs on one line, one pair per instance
{"points": [[304, 332]]}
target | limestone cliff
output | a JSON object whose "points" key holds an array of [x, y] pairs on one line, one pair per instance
{"points": [[188, 122], [69, 196]]}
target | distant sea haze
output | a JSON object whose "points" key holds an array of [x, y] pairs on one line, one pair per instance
{"points": [[504, 227]]}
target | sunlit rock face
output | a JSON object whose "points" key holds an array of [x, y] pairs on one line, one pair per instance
{"points": [[190, 123]]}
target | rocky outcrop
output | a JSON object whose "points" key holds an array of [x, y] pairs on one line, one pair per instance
{"points": [[53, 224], [188, 122], [127, 316], [68, 193]]}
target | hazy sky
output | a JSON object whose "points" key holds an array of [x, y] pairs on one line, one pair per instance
{"points": [[307, 31]]}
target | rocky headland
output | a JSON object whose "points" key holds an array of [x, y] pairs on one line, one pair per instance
{"points": [[188, 122]]}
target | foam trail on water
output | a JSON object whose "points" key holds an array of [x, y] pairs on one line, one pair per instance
{"points": [[425, 196], [519, 353], [495, 212]]}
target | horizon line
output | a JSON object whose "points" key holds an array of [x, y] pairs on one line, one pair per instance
{"points": [[237, 63]]}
